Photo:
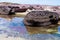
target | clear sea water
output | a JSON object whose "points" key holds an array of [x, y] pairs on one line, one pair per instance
{"points": [[16, 28]]}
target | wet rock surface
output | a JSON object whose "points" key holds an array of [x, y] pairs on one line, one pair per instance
{"points": [[41, 18]]}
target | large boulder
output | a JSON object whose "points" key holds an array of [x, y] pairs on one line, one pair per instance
{"points": [[41, 18]]}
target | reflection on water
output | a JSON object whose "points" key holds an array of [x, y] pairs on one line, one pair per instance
{"points": [[43, 29], [16, 28]]}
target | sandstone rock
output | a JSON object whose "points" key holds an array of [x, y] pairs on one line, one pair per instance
{"points": [[41, 18], [24, 7], [4, 10]]}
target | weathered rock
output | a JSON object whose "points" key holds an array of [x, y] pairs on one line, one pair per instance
{"points": [[18, 9], [24, 7], [41, 18], [4, 10]]}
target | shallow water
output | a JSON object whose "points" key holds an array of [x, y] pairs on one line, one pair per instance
{"points": [[16, 28]]}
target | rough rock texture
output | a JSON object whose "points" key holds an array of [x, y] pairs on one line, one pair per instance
{"points": [[18, 9], [4, 10], [24, 7], [41, 18]]}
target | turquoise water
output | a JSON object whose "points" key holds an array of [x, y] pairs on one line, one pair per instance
{"points": [[16, 28]]}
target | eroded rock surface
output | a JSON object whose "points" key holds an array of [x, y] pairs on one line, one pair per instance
{"points": [[4, 10], [41, 18]]}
